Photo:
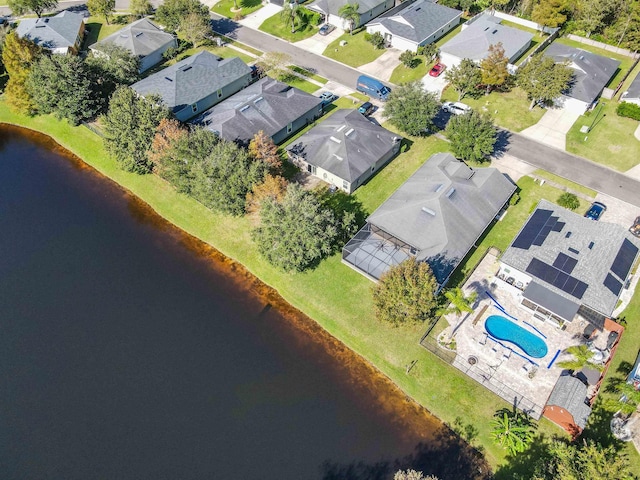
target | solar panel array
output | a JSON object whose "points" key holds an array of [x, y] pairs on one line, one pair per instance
{"points": [[565, 263], [557, 278], [613, 284], [537, 229], [624, 259]]}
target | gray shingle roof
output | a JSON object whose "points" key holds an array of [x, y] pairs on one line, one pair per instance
{"points": [[141, 38], [59, 31], [591, 72], [333, 6], [442, 209], [192, 79], [267, 105], [474, 41], [419, 20], [593, 264], [634, 89], [346, 144], [570, 393]]}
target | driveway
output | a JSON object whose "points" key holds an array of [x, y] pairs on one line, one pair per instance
{"points": [[318, 43], [434, 84], [553, 127], [255, 19], [383, 66]]}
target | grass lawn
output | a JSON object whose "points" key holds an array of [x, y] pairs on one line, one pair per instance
{"points": [[303, 85], [509, 109], [402, 74], [356, 52], [98, 29], [625, 62], [307, 73], [610, 142], [223, 7], [306, 26], [567, 183]]}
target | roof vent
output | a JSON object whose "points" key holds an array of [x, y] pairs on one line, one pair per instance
{"points": [[591, 244], [259, 99], [451, 192], [418, 9], [124, 35], [334, 139], [139, 34], [185, 68], [567, 235], [46, 20], [245, 108], [439, 187], [338, 157], [342, 127], [168, 79], [429, 211], [349, 132], [494, 32]]}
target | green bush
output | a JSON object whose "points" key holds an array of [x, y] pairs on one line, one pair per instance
{"points": [[376, 39], [515, 198], [630, 110], [569, 201]]}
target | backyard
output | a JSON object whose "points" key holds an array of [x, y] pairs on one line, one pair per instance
{"points": [[356, 52], [223, 7], [97, 29]]}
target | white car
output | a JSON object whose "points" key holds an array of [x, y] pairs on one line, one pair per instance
{"points": [[456, 108]]}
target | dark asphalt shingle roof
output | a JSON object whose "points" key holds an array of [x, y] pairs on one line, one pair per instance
{"points": [[634, 89], [474, 41], [346, 144], [192, 79], [419, 20], [141, 38], [442, 209], [591, 71], [59, 31], [267, 105], [570, 393]]}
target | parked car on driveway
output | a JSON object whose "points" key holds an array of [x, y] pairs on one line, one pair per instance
{"points": [[436, 70], [366, 108], [326, 29], [327, 98], [635, 228], [595, 211], [456, 108]]}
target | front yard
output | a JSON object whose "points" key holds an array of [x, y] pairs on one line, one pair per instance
{"points": [[356, 52], [402, 74], [306, 26], [223, 7]]}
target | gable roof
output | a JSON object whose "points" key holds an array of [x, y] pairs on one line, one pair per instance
{"points": [[418, 21], [442, 209], [333, 6], [59, 31], [474, 41], [192, 79], [634, 89], [591, 71], [345, 144], [584, 261], [570, 393], [266, 105], [141, 38]]}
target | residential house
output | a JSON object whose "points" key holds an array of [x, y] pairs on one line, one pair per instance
{"points": [[568, 265], [368, 10], [478, 35], [436, 216], [268, 105], [567, 405], [144, 39], [196, 83], [61, 34], [632, 95], [591, 73], [345, 149], [413, 24]]}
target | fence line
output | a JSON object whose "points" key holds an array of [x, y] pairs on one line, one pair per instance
{"points": [[603, 46]]}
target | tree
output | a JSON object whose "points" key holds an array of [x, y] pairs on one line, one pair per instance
{"points": [[411, 108], [349, 13], [195, 28], [627, 398], [18, 56], [512, 431], [262, 148], [592, 14], [430, 51], [459, 303], [276, 65], [20, 7], [140, 8], [405, 293], [464, 78], [171, 12], [472, 136], [290, 14], [543, 79], [129, 127], [568, 200], [61, 84], [102, 7], [296, 232], [408, 59], [168, 132], [581, 359], [272, 187], [113, 66], [550, 13], [412, 475], [493, 68]]}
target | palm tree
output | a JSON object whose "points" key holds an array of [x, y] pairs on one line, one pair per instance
{"points": [[458, 304], [349, 12], [290, 14], [582, 359], [627, 398], [511, 430]]}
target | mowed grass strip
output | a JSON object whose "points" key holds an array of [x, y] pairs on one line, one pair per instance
{"points": [[356, 52]]}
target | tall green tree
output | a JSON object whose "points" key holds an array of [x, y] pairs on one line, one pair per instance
{"points": [[290, 14], [493, 68], [140, 8], [472, 136], [112, 67], [543, 79], [464, 78], [411, 108], [405, 294], [592, 15], [296, 232], [171, 12], [412, 475], [129, 127], [581, 359], [550, 13], [20, 7], [195, 28], [106, 8], [61, 85], [349, 13], [18, 56], [626, 398], [459, 303], [512, 431]]}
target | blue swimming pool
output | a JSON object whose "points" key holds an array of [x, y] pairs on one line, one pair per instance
{"points": [[504, 329]]}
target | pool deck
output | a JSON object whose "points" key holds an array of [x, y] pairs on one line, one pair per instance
{"points": [[501, 366]]}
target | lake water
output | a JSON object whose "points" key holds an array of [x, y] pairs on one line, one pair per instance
{"points": [[129, 350]]}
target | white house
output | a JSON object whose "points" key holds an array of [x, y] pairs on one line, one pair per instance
{"points": [[632, 95], [368, 10]]}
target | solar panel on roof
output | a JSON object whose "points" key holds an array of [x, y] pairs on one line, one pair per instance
{"points": [[578, 292], [624, 259], [532, 228], [555, 277], [612, 284], [573, 250], [565, 263], [558, 226]]}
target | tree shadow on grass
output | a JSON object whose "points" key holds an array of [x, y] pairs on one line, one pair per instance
{"points": [[249, 3], [523, 464]]}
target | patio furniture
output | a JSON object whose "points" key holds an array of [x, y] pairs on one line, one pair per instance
{"points": [[483, 339], [506, 355], [588, 331], [526, 368], [613, 336]]}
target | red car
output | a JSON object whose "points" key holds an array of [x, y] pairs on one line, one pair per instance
{"points": [[437, 69]]}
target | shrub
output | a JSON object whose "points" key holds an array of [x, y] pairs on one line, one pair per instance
{"points": [[376, 39], [630, 110], [515, 198], [408, 59], [568, 200]]}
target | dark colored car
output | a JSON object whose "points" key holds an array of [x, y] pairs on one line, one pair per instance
{"points": [[635, 228], [366, 108], [595, 211], [436, 70], [326, 29]]}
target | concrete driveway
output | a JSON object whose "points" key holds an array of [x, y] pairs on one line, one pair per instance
{"points": [[383, 66], [318, 43], [255, 19], [553, 127], [434, 84]]}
